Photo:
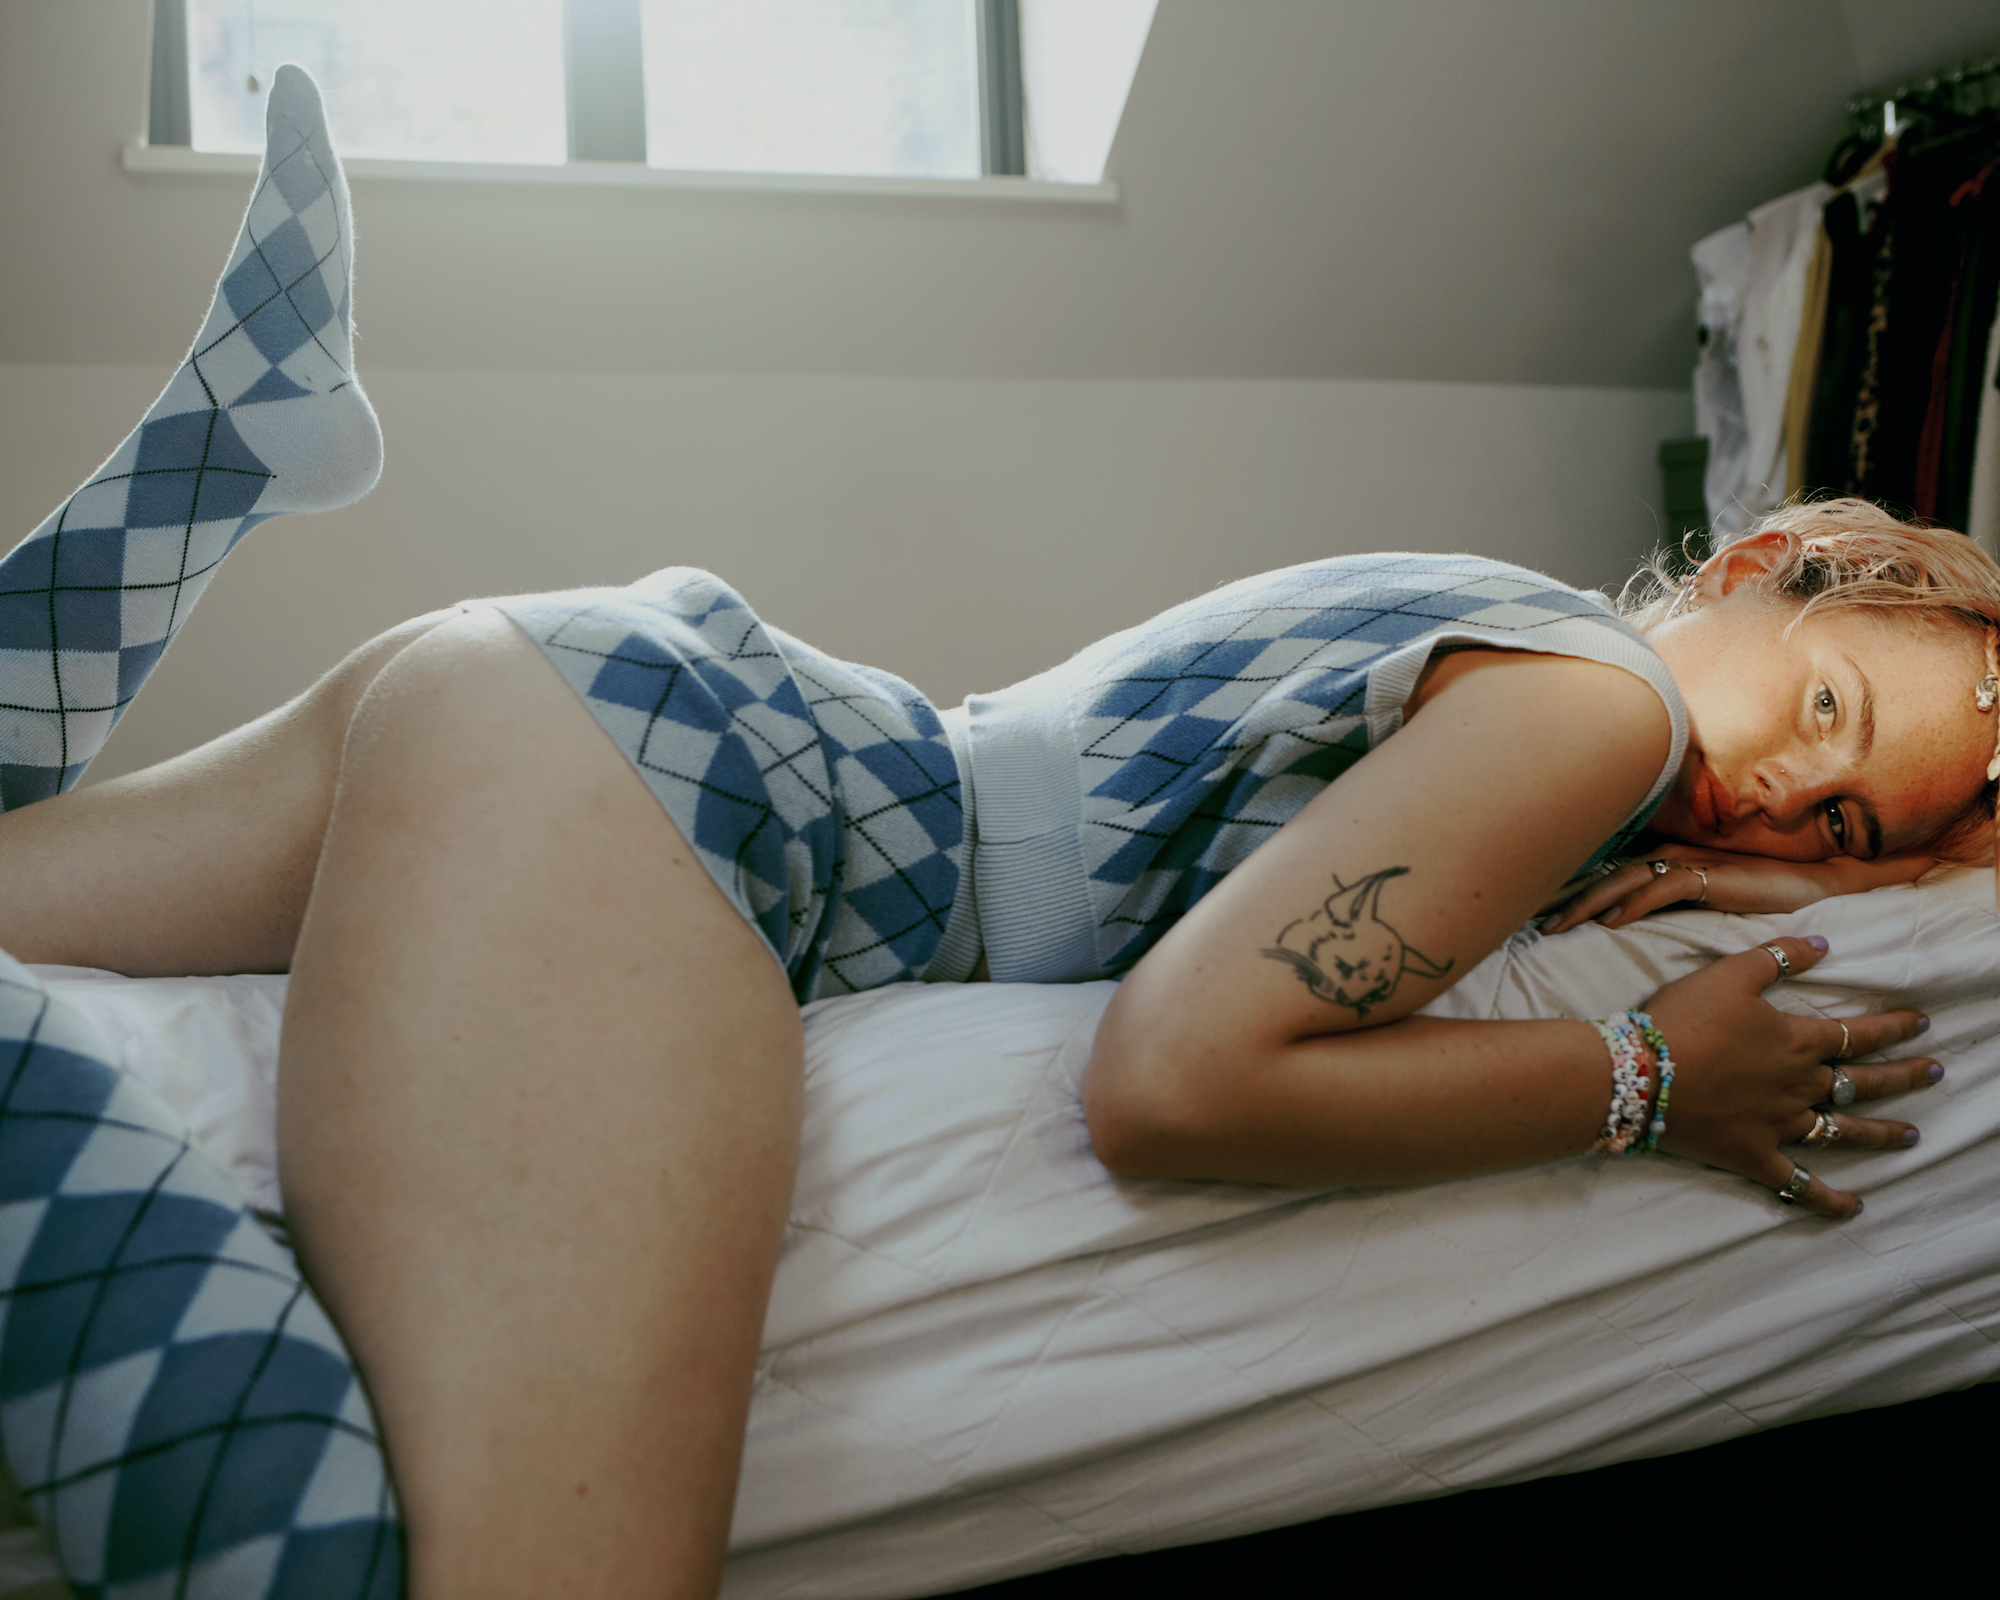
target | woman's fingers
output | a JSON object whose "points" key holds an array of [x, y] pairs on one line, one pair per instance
{"points": [[1601, 895], [1750, 1072], [1840, 1040], [1776, 960], [1633, 891], [1655, 892], [1854, 1133], [1867, 1133], [1873, 1080], [1819, 1198]]}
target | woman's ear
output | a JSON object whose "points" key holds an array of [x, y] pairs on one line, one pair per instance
{"points": [[1748, 560]]}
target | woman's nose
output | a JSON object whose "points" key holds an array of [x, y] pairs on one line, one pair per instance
{"points": [[1786, 788]]}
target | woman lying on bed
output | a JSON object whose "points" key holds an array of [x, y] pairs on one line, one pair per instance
{"points": [[553, 874]]}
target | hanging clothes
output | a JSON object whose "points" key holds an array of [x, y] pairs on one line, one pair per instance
{"points": [[1851, 329], [1926, 291], [1912, 289], [1783, 234], [1945, 454], [1722, 267], [1860, 246], [1805, 359], [1982, 519], [1754, 284]]}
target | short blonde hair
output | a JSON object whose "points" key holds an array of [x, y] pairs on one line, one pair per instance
{"points": [[1851, 555]]}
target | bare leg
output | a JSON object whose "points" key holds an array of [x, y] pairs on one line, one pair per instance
{"points": [[201, 864], [539, 1117]]}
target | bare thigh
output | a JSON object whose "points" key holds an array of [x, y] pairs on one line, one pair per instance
{"points": [[539, 1108], [201, 864]]}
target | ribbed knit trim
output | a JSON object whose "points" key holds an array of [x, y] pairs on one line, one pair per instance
{"points": [[1028, 871], [959, 952]]}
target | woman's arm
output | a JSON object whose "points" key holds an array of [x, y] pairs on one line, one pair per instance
{"points": [[1269, 1035]]}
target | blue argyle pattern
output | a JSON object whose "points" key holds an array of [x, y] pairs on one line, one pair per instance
{"points": [[822, 797], [1204, 730], [173, 1401], [91, 599]]}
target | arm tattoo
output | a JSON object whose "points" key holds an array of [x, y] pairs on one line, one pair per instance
{"points": [[1346, 954]]}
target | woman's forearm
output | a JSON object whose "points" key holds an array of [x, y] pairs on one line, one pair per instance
{"points": [[1408, 1102]]}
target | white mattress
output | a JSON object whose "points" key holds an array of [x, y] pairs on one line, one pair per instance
{"points": [[985, 1356]]}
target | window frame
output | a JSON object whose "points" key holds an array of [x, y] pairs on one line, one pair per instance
{"points": [[605, 107]]}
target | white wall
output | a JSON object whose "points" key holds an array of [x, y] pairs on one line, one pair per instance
{"points": [[961, 532], [1386, 272], [1494, 191]]}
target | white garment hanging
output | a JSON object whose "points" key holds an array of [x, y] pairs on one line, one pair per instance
{"points": [[1722, 267], [1781, 249], [1753, 292], [1983, 520]]}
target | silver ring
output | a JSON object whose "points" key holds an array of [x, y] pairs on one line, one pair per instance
{"points": [[1795, 1186], [1704, 881], [1825, 1131], [1842, 1092], [1784, 961], [1661, 868], [1846, 1042]]}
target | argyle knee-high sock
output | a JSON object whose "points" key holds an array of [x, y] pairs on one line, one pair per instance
{"points": [[173, 1401], [265, 416]]}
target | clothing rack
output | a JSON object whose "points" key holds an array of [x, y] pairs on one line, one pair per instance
{"points": [[1850, 343], [1943, 98]]}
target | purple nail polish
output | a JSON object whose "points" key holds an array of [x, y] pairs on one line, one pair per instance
{"points": [[1923, 1024], [1937, 1071], [1817, 943], [1860, 1206], [1910, 1137]]}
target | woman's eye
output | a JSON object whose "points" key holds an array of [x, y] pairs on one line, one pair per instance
{"points": [[1824, 702], [1836, 821]]}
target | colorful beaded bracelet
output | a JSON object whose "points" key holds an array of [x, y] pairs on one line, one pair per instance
{"points": [[1637, 1118], [1631, 1088], [1663, 1062]]}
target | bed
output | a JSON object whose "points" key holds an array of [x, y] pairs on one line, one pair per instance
{"points": [[984, 1356]]}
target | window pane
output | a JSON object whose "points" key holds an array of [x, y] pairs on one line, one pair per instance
{"points": [[432, 80], [879, 87]]}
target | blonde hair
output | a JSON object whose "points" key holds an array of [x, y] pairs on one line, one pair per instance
{"points": [[1850, 555]]}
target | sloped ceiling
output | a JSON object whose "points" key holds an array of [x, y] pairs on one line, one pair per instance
{"points": [[1457, 190]]}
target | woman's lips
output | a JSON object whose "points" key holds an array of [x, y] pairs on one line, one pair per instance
{"points": [[1712, 807], [1713, 803]]}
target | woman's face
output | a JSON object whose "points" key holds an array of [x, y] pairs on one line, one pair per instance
{"points": [[1854, 734]]}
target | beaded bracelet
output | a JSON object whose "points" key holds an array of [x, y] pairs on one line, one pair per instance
{"points": [[1663, 1060], [1637, 1118], [1631, 1087]]}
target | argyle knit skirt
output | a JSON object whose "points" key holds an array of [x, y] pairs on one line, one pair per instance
{"points": [[822, 797]]}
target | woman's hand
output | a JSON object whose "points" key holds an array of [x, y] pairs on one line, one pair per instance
{"points": [[1746, 1074], [1755, 884]]}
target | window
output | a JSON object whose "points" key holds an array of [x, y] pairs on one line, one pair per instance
{"points": [[891, 87], [862, 86], [872, 91], [429, 81]]}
